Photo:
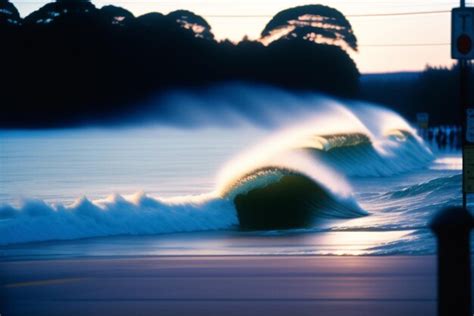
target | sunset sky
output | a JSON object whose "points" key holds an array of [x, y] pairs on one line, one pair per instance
{"points": [[387, 42]]}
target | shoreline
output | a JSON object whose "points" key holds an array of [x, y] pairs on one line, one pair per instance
{"points": [[219, 285], [27, 258], [226, 243]]}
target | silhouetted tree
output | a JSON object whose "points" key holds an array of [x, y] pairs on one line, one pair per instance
{"points": [[317, 23], [8, 14], [60, 8], [437, 93], [193, 22], [116, 15], [151, 20], [434, 91], [301, 64], [70, 62]]}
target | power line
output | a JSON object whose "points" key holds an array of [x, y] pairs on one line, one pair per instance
{"points": [[347, 15], [269, 16], [404, 45], [399, 13]]}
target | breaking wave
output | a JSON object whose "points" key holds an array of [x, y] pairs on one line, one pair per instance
{"points": [[356, 155], [140, 214], [280, 198], [295, 178]]}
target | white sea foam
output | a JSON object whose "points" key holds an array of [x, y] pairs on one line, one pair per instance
{"points": [[332, 141], [137, 215]]}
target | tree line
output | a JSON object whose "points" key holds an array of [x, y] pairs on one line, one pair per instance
{"points": [[71, 61], [434, 91]]}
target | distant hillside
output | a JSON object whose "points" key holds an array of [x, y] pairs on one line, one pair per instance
{"points": [[391, 76], [435, 91]]}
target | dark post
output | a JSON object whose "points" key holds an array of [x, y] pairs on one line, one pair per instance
{"points": [[464, 95], [452, 227]]}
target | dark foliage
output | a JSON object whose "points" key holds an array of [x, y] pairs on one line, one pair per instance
{"points": [[312, 22], [196, 23], [9, 15], [70, 62], [434, 91]]}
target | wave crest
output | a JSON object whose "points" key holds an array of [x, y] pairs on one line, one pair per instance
{"points": [[292, 180], [279, 198], [137, 215]]}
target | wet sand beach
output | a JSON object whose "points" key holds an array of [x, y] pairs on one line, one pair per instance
{"points": [[220, 285]]}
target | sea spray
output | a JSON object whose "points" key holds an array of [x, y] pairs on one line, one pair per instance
{"points": [[324, 141]]}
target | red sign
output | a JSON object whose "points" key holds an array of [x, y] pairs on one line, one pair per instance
{"points": [[464, 44], [462, 36]]}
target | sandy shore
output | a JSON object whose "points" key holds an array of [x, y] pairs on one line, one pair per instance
{"points": [[397, 285]]}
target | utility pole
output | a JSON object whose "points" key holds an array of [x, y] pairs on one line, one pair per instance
{"points": [[463, 77], [452, 226], [464, 95], [462, 49]]}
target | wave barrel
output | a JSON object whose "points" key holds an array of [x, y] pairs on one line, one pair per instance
{"points": [[280, 205], [293, 201]]}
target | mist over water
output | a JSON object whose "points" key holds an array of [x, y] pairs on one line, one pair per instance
{"points": [[374, 172], [232, 105]]}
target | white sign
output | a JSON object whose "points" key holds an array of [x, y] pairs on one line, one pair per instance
{"points": [[462, 33]]}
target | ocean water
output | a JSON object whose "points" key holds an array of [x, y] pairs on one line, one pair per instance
{"points": [[157, 190], [60, 166]]}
